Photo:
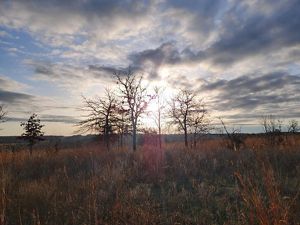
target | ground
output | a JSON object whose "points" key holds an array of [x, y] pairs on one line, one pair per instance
{"points": [[212, 184]]}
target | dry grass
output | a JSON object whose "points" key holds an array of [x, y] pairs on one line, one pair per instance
{"points": [[207, 185]]}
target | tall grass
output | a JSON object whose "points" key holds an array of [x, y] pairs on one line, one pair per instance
{"points": [[207, 185]]}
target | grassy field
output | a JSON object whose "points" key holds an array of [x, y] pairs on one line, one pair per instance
{"points": [[211, 184]]}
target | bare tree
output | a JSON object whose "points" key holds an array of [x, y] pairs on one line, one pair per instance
{"points": [[235, 138], [101, 116], [271, 124], [157, 115], [200, 123], [187, 112], [122, 123], [134, 98], [273, 129], [3, 113], [293, 126]]}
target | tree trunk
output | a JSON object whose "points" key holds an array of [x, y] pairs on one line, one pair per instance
{"points": [[195, 140], [186, 138], [159, 138], [134, 137], [106, 132], [107, 142], [159, 131]]}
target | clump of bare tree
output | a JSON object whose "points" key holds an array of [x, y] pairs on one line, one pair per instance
{"points": [[32, 131], [271, 124], [273, 129], [293, 126], [134, 99], [187, 112]]}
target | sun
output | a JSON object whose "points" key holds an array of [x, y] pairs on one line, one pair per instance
{"points": [[150, 117]]}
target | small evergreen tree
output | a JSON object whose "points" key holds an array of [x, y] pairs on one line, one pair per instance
{"points": [[32, 131]]}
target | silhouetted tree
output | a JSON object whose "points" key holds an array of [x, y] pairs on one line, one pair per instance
{"points": [[235, 139], [271, 124], [134, 99], [32, 131], [101, 116], [273, 129], [293, 126], [157, 115], [122, 123], [187, 112], [3, 113], [199, 123]]}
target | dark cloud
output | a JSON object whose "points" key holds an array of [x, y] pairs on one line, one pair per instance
{"points": [[166, 53], [204, 12], [65, 17], [145, 61], [250, 92], [110, 7], [256, 32], [254, 83], [59, 118], [44, 68], [99, 8], [109, 71], [55, 71], [246, 118], [64, 75], [244, 32], [48, 118], [152, 59], [10, 97]]}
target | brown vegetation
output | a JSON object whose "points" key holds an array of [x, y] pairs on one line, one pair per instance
{"points": [[209, 185]]}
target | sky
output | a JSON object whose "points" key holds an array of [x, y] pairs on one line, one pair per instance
{"points": [[241, 56]]}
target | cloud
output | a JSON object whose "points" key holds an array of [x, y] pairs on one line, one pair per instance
{"points": [[59, 118], [80, 17], [63, 75], [242, 55], [11, 91], [255, 33], [151, 59], [48, 118], [18, 99], [239, 29], [4, 34], [258, 94], [8, 84], [107, 71], [197, 18], [247, 31], [9, 97]]}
